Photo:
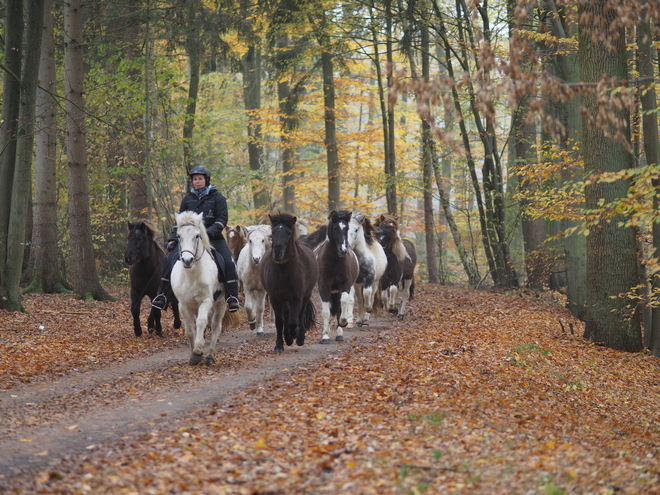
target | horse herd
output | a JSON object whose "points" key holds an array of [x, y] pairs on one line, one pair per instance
{"points": [[349, 260]]}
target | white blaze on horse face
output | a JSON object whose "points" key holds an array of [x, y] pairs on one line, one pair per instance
{"points": [[344, 244]]}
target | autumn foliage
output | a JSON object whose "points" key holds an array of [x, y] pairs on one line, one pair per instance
{"points": [[474, 392]]}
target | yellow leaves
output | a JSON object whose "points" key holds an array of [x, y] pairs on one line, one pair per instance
{"points": [[321, 415]]}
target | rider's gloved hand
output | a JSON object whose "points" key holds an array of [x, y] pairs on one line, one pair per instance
{"points": [[171, 245]]}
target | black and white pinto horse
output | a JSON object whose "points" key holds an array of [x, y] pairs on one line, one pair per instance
{"points": [[195, 284], [338, 271], [144, 257], [249, 260], [401, 260], [289, 272], [372, 261]]}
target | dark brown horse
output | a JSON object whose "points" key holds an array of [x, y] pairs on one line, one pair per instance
{"points": [[401, 260], [338, 271], [289, 273], [144, 257]]}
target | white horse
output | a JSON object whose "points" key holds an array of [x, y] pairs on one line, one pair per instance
{"points": [[258, 241], [373, 262], [195, 284]]}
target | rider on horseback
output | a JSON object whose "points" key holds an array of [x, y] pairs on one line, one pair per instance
{"points": [[204, 198]]}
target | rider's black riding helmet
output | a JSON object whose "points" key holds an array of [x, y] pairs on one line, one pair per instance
{"points": [[201, 170]]}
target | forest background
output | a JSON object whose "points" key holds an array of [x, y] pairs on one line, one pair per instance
{"points": [[517, 141]]}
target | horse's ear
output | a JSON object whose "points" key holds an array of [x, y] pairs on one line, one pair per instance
{"points": [[129, 224], [295, 219], [332, 214]]}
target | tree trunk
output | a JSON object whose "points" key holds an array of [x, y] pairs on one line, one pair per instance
{"points": [[193, 50], [332, 153], [251, 63], [390, 163], [84, 278], [21, 190], [645, 58], [11, 96], [44, 274], [611, 249]]}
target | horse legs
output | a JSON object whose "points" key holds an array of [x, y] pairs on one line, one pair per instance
{"points": [[346, 298], [325, 312], [175, 312], [367, 305], [200, 326], [135, 311], [406, 297], [216, 331], [259, 310], [294, 323], [279, 325], [153, 322], [189, 325], [391, 293]]}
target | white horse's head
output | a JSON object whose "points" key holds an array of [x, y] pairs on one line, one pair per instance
{"points": [[356, 231], [191, 236], [260, 240]]}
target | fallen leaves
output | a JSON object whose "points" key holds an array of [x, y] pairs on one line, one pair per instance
{"points": [[474, 392]]}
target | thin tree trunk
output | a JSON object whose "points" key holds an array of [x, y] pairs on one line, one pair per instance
{"points": [[390, 163], [10, 112], [193, 50], [84, 278], [334, 186]]}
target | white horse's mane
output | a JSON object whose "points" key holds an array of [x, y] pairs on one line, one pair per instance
{"points": [[195, 219]]}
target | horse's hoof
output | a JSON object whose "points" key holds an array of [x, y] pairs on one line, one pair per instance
{"points": [[325, 340], [400, 317], [152, 330], [159, 333], [339, 338], [195, 359], [209, 361], [393, 311], [342, 323], [288, 340], [138, 332], [177, 324], [279, 350], [253, 325], [300, 341], [261, 334]]}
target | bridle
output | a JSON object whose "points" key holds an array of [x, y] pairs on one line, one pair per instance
{"points": [[194, 254]]}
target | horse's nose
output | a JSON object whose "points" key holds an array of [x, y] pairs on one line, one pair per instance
{"points": [[187, 260], [256, 260], [128, 259]]}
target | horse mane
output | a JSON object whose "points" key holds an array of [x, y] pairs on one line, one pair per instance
{"points": [[387, 219], [150, 229], [341, 214], [316, 237], [395, 242], [194, 219], [263, 228]]}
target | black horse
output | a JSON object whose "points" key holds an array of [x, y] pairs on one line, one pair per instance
{"points": [[289, 273], [144, 257], [338, 271]]}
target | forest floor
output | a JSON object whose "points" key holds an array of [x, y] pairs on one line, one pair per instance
{"points": [[473, 392]]}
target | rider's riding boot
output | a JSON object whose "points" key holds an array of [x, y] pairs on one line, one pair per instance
{"points": [[160, 301], [232, 298]]}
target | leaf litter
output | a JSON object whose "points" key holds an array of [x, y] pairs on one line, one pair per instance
{"points": [[473, 392]]}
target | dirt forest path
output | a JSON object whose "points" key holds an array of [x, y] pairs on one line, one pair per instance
{"points": [[80, 412]]}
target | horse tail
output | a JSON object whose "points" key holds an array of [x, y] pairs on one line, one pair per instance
{"points": [[335, 303], [309, 317], [412, 289]]}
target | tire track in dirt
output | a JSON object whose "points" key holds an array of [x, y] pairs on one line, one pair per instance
{"points": [[76, 414]]}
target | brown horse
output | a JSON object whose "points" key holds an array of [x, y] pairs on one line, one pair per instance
{"points": [[401, 260], [289, 273], [236, 239]]}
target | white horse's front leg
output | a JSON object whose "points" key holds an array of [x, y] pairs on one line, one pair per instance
{"points": [[406, 297], [347, 299], [189, 325], [216, 330], [359, 297], [200, 327], [250, 309], [391, 299], [325, 312], [259, 310]]}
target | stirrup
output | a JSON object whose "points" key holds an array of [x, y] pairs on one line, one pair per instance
{"points": [[159, 302], [232, 304]]}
